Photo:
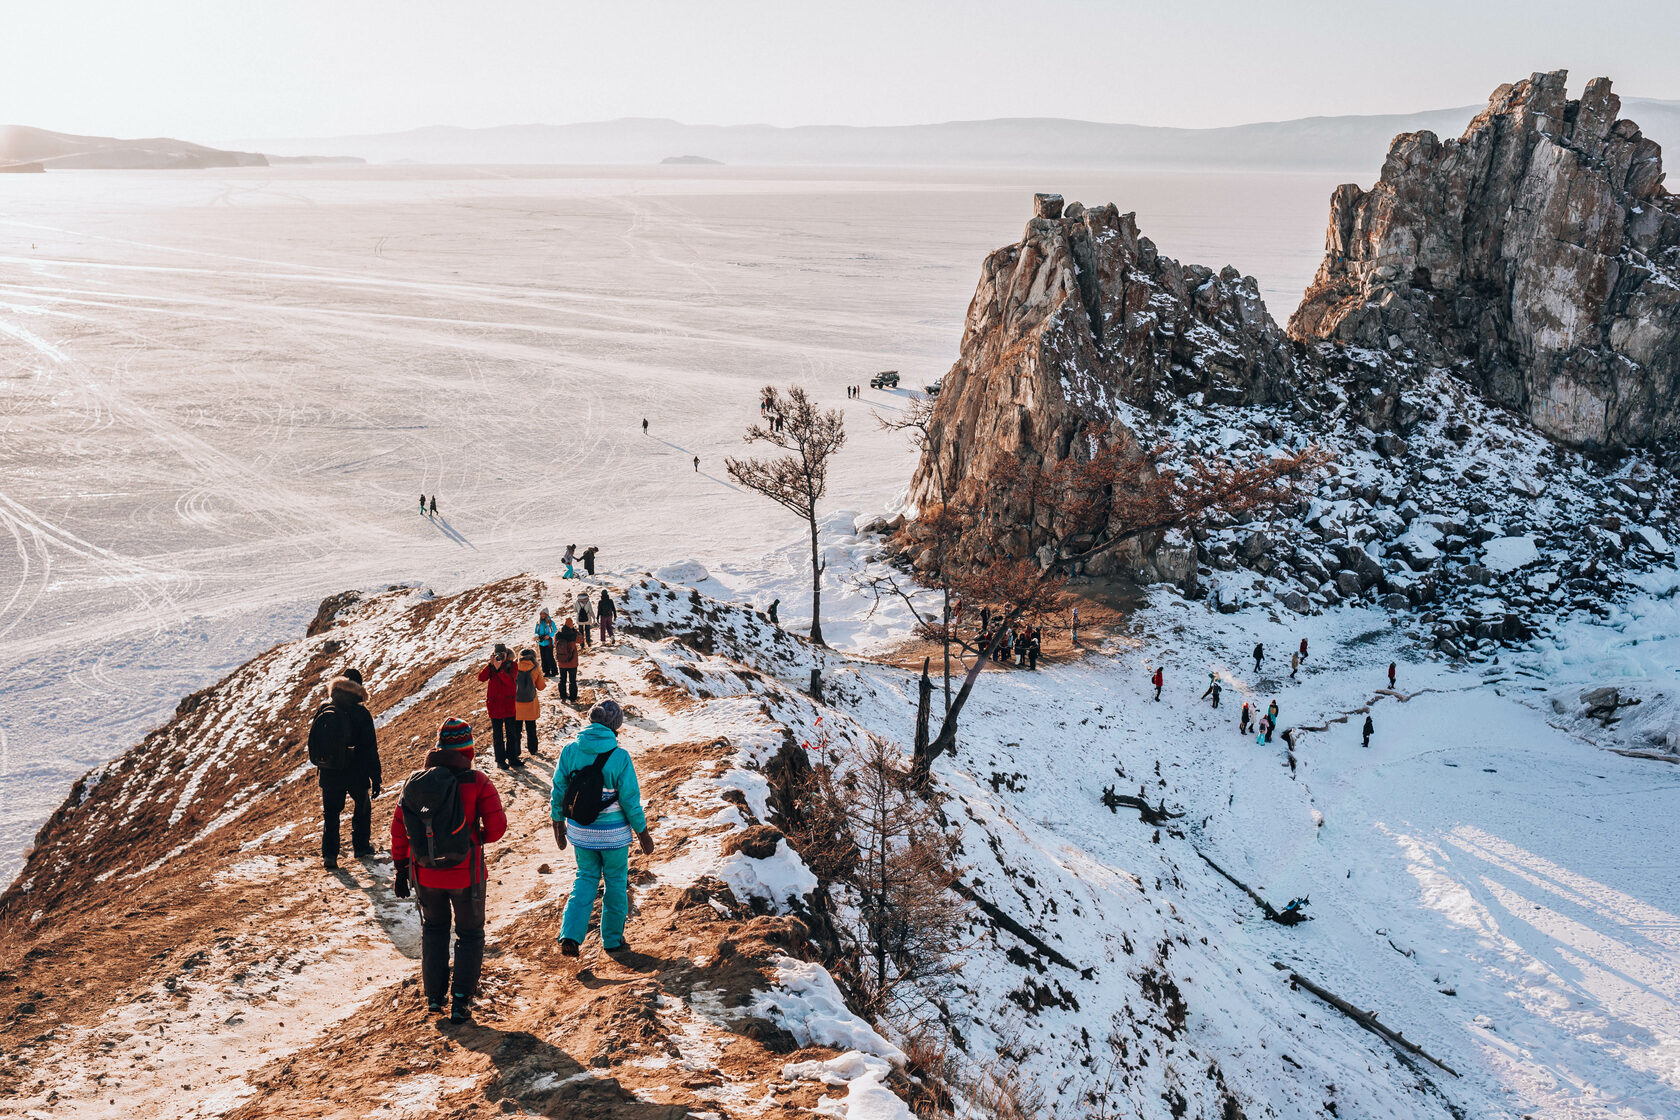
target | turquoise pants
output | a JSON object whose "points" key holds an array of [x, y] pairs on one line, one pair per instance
{"points": [[612, 865]]}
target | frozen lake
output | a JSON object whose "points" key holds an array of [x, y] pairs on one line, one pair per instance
{"points": [[222, 393]]}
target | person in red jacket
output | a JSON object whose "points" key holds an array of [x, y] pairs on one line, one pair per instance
{"points": [[457, 891], [1158, 680], [501, 683]]}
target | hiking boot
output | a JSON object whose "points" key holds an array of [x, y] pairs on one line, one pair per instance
{"points": [[434, 1007], [518, 764], [366, 853], [621, 947], [501, 766], [330, 862], [459, 1012], [568, 947]]}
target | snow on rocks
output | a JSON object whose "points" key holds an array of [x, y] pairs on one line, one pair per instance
{"points": [[806, 1001]]}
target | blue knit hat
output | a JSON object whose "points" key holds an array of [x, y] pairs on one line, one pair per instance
{"points": [[455, 735]]}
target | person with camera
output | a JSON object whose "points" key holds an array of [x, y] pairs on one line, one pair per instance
{"points": [[500, 678]]}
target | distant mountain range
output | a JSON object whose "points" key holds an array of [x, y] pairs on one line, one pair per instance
{"points": [[38, 149], [1311, 143]]}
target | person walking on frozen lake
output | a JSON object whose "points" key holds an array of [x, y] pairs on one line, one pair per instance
{"points": [[585, 616], [566, 647], [422, 505], [644, 425], [545, 642], [1259, 652], [589, 559], [434, 505], [606, 614], [344, 747], [500, 680], [697, 464], [596, 807], [570, 560], [528, 684], [1369, 727], [448, 812]]}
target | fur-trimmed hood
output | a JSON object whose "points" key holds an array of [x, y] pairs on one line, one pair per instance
{"points": [[348, 687]]}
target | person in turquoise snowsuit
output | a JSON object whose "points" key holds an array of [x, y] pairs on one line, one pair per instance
{"points": [[602, 847]]}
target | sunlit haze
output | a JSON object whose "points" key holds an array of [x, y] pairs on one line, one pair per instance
{"points": [[218, 71]]}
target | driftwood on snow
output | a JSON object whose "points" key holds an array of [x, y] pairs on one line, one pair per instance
{"points": [[1366, 1019], [1281, 917], [996, 914], [1150, 814]]}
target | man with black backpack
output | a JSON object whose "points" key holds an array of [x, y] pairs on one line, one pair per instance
{"points": [[445, 816], [345, 750], [597, 806]]}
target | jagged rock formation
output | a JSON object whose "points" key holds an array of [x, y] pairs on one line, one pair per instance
{"points": [[1537, 256], [1083, 314]]}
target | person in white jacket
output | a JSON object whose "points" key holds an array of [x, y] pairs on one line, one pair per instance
{"points": [[585, 615]]}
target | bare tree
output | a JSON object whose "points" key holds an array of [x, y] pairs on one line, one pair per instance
{"points": [[907, 927], [796, 482], [1093, 506]]}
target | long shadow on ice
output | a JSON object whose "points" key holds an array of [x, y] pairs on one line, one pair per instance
{"points": [[452, 533]]}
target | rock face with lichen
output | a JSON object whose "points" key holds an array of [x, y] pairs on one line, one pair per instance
{"points": [[1537, 257], [1081, 317]]}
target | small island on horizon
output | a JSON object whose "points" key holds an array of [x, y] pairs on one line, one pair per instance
{"points": [[693, 161]]}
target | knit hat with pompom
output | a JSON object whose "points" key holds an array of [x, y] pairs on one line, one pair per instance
{"points": [[455, 735]]}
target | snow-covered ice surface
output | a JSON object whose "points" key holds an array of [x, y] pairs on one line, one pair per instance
{"points": [[222, 393]]}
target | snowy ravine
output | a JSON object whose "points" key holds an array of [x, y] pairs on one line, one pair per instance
{"points": [[1481, 877]]}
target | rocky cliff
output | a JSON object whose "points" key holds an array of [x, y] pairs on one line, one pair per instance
{"points": [[1081, 319], [1537, 256]]}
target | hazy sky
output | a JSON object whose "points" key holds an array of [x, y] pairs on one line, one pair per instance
{"points": [[221, 69]]}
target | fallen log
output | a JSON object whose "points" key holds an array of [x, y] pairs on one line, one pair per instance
{"points": [[1290, 917], [996, 914], [1652, 755], [1150, 814], [1366, 1019]]}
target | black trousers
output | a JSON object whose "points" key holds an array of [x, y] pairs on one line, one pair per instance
{"points": [[547, 653], [504, 737], [589, 564], [530, 726], [438, 906], [334, 790], [568, 685]]}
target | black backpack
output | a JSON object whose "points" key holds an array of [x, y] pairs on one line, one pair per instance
{"points": [[525, 690], [330, 747], [585, 789], [434, 818]]}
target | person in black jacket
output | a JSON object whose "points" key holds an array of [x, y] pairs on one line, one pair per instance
{"points": [[360, 782]]}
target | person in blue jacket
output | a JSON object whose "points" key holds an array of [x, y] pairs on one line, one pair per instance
{"points": [[545, 644], [602, 847]]}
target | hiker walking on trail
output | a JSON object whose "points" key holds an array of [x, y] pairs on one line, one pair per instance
{"points": [[1158, 680], [545, 641], [606, 614], [589, 559], [596, 806], [774, 603], [1294, 664], [1272, 712], [1259, 652], [501, 680], [422, 505], [345, 750], [1212, 689], [1391, 674], [1243, 722], [434, 505], [448, 812], [1366, 731], [585, 617], [1303, 649], [566, 647], [528, 684], [569, 559], [1034, 641]]}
